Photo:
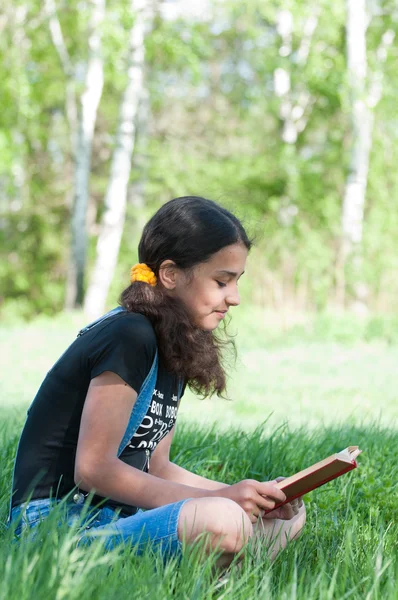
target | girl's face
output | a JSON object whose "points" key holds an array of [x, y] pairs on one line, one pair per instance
{"points": [[213, 286]]}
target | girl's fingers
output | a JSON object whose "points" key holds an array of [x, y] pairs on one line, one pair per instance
{"points": [[268, 489], [264, 502]]}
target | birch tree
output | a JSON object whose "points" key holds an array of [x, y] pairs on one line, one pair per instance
{"points": [[81, 116], [58, 40], [13, 30], [112, 223], [294, 104], [136, 191], [365, 93]]}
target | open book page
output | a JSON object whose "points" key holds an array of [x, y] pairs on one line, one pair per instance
{"points": [[349, 454], [319, 473]]}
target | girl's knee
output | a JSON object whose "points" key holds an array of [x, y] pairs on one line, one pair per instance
{"points": [[232, 522], [226, 522]]}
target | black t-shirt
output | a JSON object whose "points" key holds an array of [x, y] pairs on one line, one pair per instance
{"points": [[125, 344]]}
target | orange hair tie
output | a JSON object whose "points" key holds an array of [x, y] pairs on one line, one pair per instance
{"points": [[141, 272]]}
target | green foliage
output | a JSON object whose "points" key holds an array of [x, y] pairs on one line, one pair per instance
{"points": [[215, 130]]}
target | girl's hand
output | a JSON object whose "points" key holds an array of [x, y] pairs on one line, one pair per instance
{"points": [[287, 511], [253, 496]]}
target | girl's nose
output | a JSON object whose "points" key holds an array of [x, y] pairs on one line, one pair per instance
{"points": [[233, 298]]}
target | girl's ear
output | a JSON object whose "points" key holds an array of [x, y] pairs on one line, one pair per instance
{"points": [[168, 274]]}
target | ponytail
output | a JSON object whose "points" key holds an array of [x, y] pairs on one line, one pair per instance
{"points": [[188, 231]]}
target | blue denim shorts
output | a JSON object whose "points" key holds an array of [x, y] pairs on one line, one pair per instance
{"points": [[157, 527]]}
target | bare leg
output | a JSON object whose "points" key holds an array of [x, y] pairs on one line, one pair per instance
{"points": [[277, 533], [227, 525]]}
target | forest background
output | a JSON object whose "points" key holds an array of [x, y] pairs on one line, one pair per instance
{"points": [[283, 111]]}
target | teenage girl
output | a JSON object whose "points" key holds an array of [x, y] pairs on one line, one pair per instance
{"points": [[100, 428]]}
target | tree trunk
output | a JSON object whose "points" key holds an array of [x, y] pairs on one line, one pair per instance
{"points": [[295, 106], [354, 195], [115, 200], [365, 94], [136, 192], [71, 111], [89, 102]]}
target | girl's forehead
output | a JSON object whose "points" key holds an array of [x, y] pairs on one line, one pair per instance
{"points": [[230, 259]]}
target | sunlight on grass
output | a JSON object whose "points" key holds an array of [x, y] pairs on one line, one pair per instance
{"points": [[306, 384], [299, 381], [347, 549]]}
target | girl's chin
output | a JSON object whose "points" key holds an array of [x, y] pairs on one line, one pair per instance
{"points": [[210, 322], [207, 322]]}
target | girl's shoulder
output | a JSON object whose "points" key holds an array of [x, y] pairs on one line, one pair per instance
{"points": [[127, 326], [125, 344]]}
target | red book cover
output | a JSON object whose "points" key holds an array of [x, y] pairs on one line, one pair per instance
{"points": [[318, 474]]}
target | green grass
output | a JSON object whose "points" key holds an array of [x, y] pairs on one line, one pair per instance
{"points": [[347, 550], [324, 394]]}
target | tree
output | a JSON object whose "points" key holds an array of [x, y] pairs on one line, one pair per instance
{"points": [[365, 93], [112, 222], [81, 124], [221, 125]]}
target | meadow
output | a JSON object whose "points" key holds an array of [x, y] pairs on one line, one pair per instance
{"points": [[300, 391]]}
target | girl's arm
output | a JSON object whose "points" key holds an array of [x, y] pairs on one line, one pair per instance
{"points": [[104, 420], [105, 415], [160, 466]]}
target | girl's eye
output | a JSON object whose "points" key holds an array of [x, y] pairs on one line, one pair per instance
{"points": [[221, 284]]}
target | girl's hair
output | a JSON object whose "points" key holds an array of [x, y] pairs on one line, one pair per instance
{"points": [[188, 231]]}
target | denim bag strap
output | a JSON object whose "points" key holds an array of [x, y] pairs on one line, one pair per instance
{"points": [[144, 398], [112, 312], [141, 405], [180, 386]]}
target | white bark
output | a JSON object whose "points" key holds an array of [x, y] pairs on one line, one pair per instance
{"points": [[89, 102], [365, 94], [294, 107], [364, 98], [115, 200], [13, 189], [62, 51], [294, 104], [57, 36], [354, 196], [136, 192]]}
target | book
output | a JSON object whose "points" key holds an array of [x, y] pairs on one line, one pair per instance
{"points": [[318, 474]]}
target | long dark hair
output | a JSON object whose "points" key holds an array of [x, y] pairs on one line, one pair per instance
{"points": [[188, 231]]}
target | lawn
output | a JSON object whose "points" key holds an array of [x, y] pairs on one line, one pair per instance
{"points": [[296, 396]]}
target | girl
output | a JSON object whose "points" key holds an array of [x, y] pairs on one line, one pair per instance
{"points": [[99, 431]]}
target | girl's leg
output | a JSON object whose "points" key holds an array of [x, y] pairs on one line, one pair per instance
{"points": [[227, 525], [277, 533]]}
